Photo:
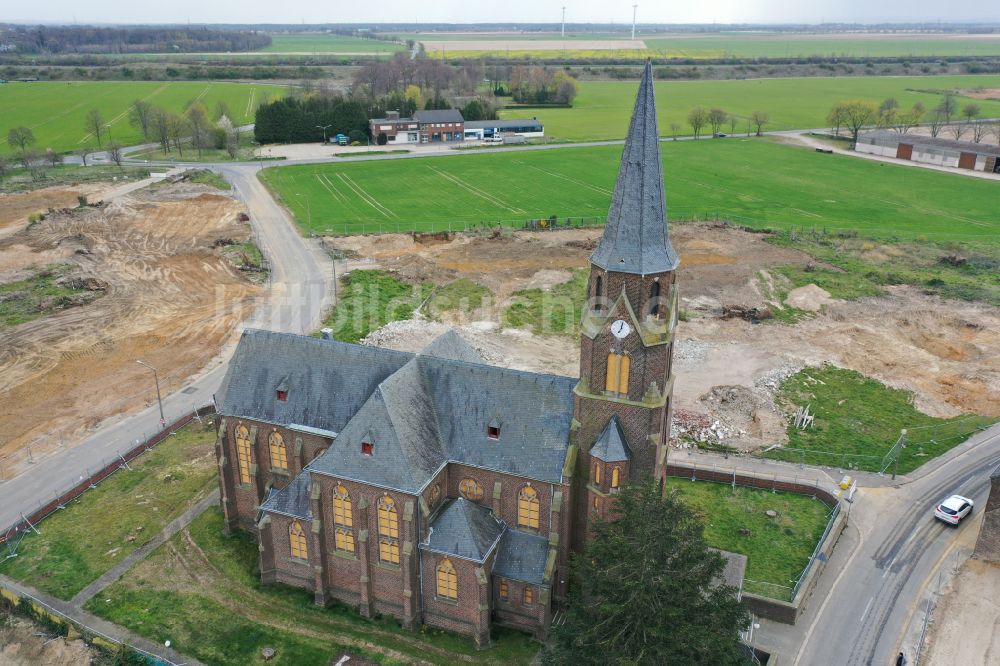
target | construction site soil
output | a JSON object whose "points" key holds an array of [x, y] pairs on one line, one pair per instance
{"points": [[728, 369], [170, 299]]}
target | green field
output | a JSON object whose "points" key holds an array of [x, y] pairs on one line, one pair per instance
{"points": [[55, 112], [311, 42], [777, 549], [757, 182], [602, 108]]}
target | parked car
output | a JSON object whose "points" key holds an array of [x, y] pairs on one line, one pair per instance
{"points": [[954, 509]]}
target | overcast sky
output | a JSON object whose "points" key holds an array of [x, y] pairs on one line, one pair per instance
{"points": [[527, 11]]}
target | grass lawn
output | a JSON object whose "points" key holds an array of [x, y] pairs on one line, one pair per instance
{"points": [[55, 111], [370, 299], [98, 530], [463, 296], [859, 416], [201, 591], [311, 42], [777, 549], [602, 108], [552, 312], [45, 292], [756, 182]]}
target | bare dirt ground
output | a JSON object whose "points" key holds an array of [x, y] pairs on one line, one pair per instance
{"points": [[727, 369], [966, 620], [24, 644], [171, 300]]}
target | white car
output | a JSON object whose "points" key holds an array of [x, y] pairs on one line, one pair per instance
{"points": [[954, 509]]}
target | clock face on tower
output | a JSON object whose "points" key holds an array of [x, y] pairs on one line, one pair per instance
{"points": [[620, 329]]}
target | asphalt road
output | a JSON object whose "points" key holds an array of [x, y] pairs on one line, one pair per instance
{"points": [[862, 607], [300, 290]]}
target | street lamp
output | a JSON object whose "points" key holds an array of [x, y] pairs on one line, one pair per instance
{"points": [[324, 128], [159, 400]]}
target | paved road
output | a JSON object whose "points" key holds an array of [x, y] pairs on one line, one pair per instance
{"points": [[301, 281], [876, 578]]}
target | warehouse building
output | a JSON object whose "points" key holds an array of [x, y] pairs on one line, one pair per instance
{"points": [[931, 150], [479, 130]]}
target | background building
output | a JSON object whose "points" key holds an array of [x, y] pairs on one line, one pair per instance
{"points": [[481, 129], [931, 150]]}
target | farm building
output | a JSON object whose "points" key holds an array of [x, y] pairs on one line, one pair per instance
{"points": [[477, 130], [424, 127], [931, 150]]}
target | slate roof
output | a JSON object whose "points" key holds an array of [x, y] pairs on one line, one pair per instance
{"points": [[439, 116], [522, 557], [419, 411], [292, 500], [635, 238], [611, 445], [327, 381], [464, 529]]}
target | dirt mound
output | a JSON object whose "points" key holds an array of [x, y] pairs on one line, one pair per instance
{"points": [[808, 297], [24, 644], [171, 300]]}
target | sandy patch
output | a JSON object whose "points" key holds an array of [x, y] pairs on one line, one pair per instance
{"points": [[809, 297], [966, 626]]}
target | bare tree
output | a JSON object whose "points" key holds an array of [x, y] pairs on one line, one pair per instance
{"points": [[888, 110], [909, 119], [716, 118], [4, 167], [948, 108], [675, 128], [936, 122], [995, 125], [93, 123], [141, 117], [115, 153], [177, 130], [858, 114], [733, 120], [957, 130], [199, 125], [697, 119], [759, 119], [979, 131], [21, 138], [161, 128], [84, 152], [53, 158]]}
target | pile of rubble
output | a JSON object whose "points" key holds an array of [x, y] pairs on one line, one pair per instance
{"points": [[688, 427]]}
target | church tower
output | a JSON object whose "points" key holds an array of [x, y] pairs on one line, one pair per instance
{"points": [[622, 405]]}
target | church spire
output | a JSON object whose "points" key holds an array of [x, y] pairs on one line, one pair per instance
{"points": [[635, 237]]}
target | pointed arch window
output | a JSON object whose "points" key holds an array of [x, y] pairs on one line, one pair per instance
{"points": [[244, 452], [279, 454], [297, 541], [598, 288], [529, 595], [388, 530], [597, 473], [447, 580], [343, 519], [618, 371], [527, 508], [654, 299], [616, 477]]}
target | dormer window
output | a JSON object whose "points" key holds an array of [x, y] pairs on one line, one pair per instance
{"points": [[281, 395], [367, 448], [493, 429]]}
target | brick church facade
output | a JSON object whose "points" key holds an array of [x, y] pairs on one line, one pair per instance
{"points": [[439, 489]]}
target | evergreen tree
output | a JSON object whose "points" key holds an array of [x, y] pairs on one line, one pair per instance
{"points": [[648, 590]]}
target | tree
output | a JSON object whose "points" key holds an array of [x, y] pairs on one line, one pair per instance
{"points": [[21, 138], [697, 119], [84, 152], [647, 591], [53, 158], [716, 118], [177, 130], [115, 153], [858, 114], [936, 122], [199, 124], [887, 112], [675, 129], [733, 120], [910, 119], [995, 125], [948, 108], [760, 119], [93, 123], [161, 128], [836, 116], [141, 117], [413, 94], [4, 167]]}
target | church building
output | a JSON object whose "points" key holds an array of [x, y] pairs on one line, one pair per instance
{"points": [[439, 489]]}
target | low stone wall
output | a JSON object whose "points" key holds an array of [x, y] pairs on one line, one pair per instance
{"points": [[786, 612]]}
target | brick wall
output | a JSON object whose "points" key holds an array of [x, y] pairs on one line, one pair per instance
{"points": [[514, 612], [285, 568], [470, 612]]}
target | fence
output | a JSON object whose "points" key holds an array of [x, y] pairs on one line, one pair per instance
{"points": [[802, 485], [94, 635], [12, 535]]}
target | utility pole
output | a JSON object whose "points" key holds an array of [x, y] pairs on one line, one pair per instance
{"points": [[324, 128], [634, 8], [564, 22], [159, 400]]}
